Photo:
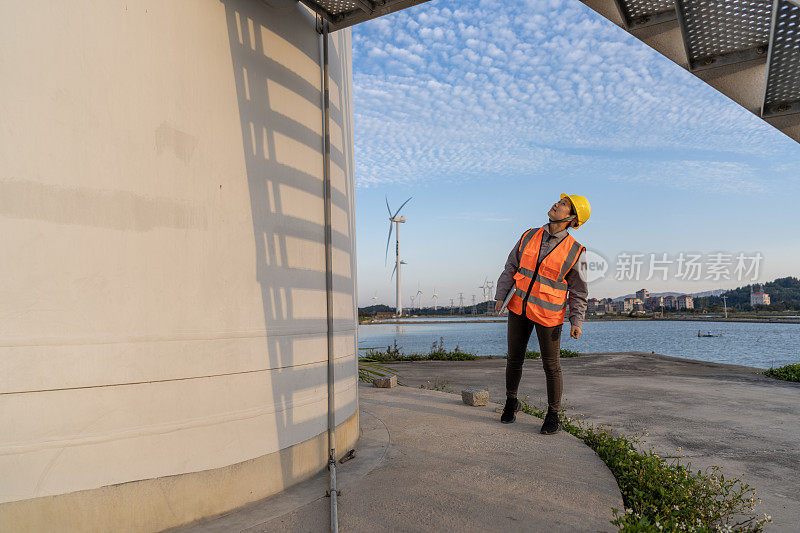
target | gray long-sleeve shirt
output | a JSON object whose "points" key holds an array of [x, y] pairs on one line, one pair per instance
{"points": [[575, 278]]}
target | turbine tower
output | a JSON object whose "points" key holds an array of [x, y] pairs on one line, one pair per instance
{"points": [[393, 219], [435, 299], [419, 300], [484, 287], [461, 303]]}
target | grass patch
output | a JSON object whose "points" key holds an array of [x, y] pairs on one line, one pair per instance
{"points": [[437, 353], [786, 373], [533, 354], [661, 495], [437, 384], [369, 369]]}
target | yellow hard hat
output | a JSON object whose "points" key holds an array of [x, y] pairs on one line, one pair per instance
{"points": [[581, 205]]}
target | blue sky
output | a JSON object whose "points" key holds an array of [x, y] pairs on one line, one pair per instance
{"points": [[484, 114]]}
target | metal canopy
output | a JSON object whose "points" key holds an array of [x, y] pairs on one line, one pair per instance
{"points": [[782, 94], [343, 13], [718, 32], [641, 13], [747, 49]]}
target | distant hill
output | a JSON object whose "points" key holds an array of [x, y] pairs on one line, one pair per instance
{"points": [[372, 309], [784, 293]]}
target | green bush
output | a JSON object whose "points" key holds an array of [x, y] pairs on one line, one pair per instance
{"points": [[666, 496], [437, 353], [786, 373]]}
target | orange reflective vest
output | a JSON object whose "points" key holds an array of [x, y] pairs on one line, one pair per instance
{"points": [[542, 284]]}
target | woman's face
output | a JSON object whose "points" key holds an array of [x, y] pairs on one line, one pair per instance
{"points": [[560, 209]]}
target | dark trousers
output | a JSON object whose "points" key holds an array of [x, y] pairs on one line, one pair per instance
{"points": [[519, 332]]}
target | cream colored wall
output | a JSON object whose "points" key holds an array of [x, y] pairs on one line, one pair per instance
{"points": [[162, 275]]}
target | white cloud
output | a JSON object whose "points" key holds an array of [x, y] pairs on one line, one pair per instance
{"points": [[451, 90]]}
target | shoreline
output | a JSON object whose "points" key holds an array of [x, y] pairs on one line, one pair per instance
{"points": [[650, 355], [773, 320]]}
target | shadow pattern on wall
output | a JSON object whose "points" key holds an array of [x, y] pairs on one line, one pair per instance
{"points": [[277, 78]]}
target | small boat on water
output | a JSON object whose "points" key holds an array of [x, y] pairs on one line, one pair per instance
{"points": [[708, 334]]}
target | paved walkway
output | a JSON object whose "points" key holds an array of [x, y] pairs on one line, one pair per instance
{"points": [[427, 462], [726, 415]]}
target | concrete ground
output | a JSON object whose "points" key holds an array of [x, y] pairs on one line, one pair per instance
{"points": [[427, 462], [716, 414]]}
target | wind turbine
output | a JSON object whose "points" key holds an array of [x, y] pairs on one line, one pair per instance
{"points": [[375, 301], [412, 304], [393, 219], [484, 287], [435, 299], [460, 303], [419, 300]]}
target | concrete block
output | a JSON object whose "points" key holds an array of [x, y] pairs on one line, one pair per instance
{"points": [[386, 382], [476, 397]]}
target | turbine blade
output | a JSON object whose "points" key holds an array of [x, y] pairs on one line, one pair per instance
{"points": [[388, 240], [401, 207], [394, 270], [387, 207]]}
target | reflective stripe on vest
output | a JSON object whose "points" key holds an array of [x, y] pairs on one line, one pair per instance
{"points": [[546, 301], [540, 302], [544, 281], [572, 256], [526, 239]]}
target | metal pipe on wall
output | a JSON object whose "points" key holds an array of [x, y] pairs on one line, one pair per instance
{"points": [[326, 181]]}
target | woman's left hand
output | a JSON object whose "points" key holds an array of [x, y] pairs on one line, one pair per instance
{"points": [[575, 332]]}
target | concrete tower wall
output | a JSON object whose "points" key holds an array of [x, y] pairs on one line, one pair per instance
{"points": [[162, 282]]}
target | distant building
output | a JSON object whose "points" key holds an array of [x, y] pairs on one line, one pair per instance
{"points": [[643, 294], [759, 298], [630, 304], [685, 302], [654, 302], [596, 307], [670, 302]]}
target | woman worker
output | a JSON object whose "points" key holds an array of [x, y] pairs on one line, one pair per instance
{"points": [[545, 270]]}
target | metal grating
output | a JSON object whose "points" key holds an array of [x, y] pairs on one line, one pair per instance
{"points": [[340, 14], [714, 28], [337, 7], [783, 78], [643, 8]]}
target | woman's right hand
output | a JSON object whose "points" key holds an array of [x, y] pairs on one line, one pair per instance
{"points": [[497, 306]]}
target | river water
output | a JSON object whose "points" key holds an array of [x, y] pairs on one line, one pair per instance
{"points": [[743, 343]]}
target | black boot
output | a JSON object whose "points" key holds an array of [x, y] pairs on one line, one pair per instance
{"points": [[509, 411], [551, 424]]}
